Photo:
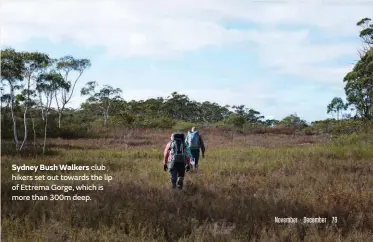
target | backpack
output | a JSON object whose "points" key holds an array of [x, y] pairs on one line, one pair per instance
{"points": [[177, 154], [193, 140]]}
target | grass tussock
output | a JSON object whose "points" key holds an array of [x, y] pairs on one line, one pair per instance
{"points": [[242, 185]]}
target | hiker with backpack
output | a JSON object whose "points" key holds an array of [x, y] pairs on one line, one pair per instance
{"points": [[195, 142], [176, 159]]}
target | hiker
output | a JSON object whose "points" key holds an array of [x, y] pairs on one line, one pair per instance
{"points": [[177, 159], [195, 142]]}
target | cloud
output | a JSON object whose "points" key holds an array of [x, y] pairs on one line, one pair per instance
{"points": [[162, 28], [290, 53], [167, 29]]}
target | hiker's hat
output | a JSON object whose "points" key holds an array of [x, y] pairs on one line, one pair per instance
{"points": [[194, 129]]}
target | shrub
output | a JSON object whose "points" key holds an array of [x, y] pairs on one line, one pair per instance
{"points": [[349, 139], [236, 120], [160, 123], [183, 126], [342, 126], [74, 131]]}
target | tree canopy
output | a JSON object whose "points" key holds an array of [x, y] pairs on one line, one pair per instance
{"points": [[359, 86], [336, 106]]}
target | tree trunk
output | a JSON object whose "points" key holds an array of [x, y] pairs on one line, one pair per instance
{"points": [[105, 119], [49, 102], [45, 133], [33, 128], [15, 131], [41, 107], [25, 113], [25, 124], [14, 123], [59, 119], [60, 112], [107, 114]]}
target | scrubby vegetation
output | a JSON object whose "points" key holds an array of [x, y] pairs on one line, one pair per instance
{"points": [[242, 185]]}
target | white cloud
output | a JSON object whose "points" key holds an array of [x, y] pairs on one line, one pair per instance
{"points": [[163, 27], [167, 29]]}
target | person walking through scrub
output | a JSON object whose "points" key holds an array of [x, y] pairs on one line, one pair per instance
{"points": [[195, 142], [176, 158]]}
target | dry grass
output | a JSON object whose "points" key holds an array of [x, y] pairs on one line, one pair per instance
{"points": [[242, 186], [214, 138]]}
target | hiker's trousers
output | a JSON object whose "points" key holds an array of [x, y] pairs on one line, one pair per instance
{"points": [[195, 154], [177, 172]]}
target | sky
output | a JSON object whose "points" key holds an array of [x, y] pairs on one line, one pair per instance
{"points": [[277, 57]]}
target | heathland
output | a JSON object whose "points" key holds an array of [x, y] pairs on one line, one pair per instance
{"points": [[244, 182]]}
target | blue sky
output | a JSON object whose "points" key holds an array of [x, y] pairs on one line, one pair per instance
{"points": [[276, 58]]}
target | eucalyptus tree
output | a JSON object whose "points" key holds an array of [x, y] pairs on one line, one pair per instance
{"points": [[103, 97], [35, 63], [336, 106], [66, 66], [12, 69], [47, 86]]}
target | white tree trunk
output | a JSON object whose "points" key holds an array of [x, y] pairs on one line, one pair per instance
{"points": [[45, 134], [49, 102], [25, 124], [59, 119], [25, 113], [15, 129], [33, 128], [15, 134]]}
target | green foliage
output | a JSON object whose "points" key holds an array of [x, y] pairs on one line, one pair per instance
{"points": [[102, 99], [125, 119], [12, 66], [359, 81], [213, 112], [183, 126], [293, 121], [65, 66], [336, 106], [50, 82], [73, 131], [359, 85], [348, 126], [179, 107], [35, 62], [249, 115], [236, 120], [367, 32], [353, 139], [160, 123], [271, 122], [68, 64]]}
